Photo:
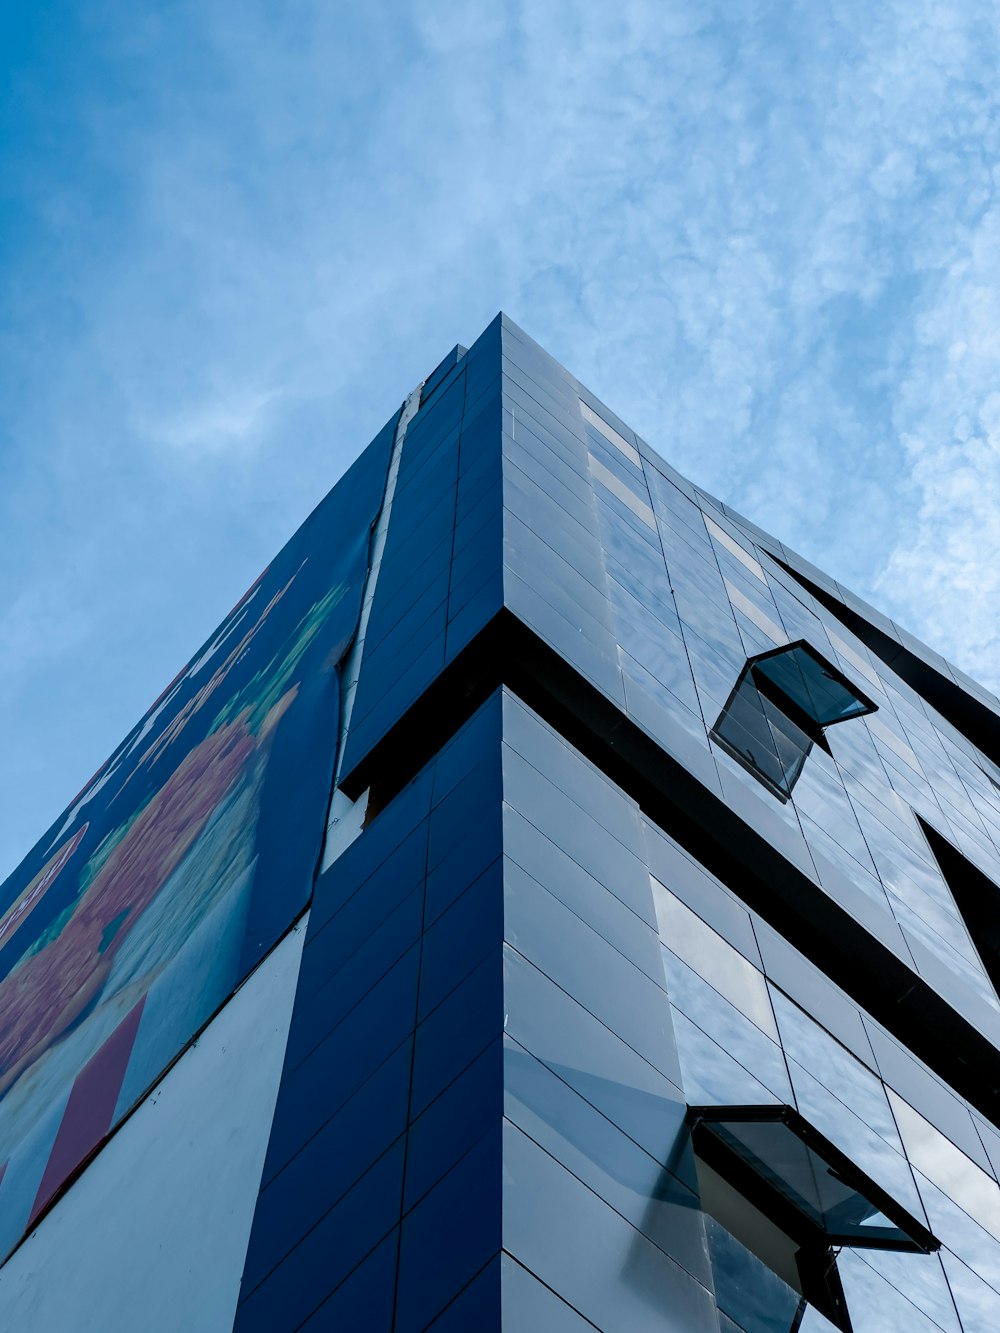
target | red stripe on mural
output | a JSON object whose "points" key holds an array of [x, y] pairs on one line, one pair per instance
{"points": [[89, 1111]]}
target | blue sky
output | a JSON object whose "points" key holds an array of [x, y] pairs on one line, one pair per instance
{"points": [[233, 235]]}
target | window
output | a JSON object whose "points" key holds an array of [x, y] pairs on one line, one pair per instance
{"points": [[778, 710], [789, 1196]]}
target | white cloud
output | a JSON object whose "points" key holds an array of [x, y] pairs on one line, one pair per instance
{"points": [[763, 232], [230, 425]]}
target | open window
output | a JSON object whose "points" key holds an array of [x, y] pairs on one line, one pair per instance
{"points": [[792, 1198], [778, 710]]}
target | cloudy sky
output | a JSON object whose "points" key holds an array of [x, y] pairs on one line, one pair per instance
{"points": [[233, 235]]}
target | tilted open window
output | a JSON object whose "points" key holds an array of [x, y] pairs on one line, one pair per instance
{"points": [[778, 710], [791, 1197]]}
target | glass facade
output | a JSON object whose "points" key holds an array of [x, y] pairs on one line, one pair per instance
{"points": [[655, 985]]}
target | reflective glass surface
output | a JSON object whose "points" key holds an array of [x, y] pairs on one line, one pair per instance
{"points": [[803, 1170], [816, 686], [754, 731]]}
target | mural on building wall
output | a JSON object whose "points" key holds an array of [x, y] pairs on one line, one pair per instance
{"points": [[180, 864]]}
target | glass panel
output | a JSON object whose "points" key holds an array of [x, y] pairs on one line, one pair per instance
{"points": [[805, 1170], [710, 1074], [947, 1166], [757, 733], [724, 1023], [802, 1177], [815, 686], [713, 958], [746, 1289], [852, 1136], [610, 434], [875, 1304]]}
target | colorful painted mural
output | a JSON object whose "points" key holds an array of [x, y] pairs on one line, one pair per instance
{"points": [[181, 863]]}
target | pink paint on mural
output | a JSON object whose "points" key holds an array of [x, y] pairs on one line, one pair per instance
{"points": [[90, 1109]]}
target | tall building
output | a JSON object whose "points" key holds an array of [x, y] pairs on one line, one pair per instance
{"points": [[547, 903]]}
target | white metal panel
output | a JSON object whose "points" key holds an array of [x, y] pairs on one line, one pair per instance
{"points": [[154, 1233]]}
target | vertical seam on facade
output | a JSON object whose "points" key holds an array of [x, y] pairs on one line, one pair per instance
{"points": [[413, 1056], [454, 520], [379, 537]]}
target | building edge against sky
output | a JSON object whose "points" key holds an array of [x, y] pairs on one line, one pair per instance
{"points": [[643, 977]]}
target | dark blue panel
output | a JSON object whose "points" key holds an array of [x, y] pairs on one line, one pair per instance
{"points": [[313, 1092], [421, 523], [476, 511], [436, 378], [396, 572], [474, 542], [328, 1165], [364, 1300], [366, 966], [478, 480], [443, 411], [487, 542], [477, 738], [479, 456], [424, 435], [457, 1031], [407, 611], [454, 814], [482, 382], [469, 577], [404, 643], [461, 937], [453, 875], [487, 407], [477, 1306], [369, 900], [449, 1236], [432, 472], [454, 1121], [380, 840], [389, 695], [476, 611], [321, 1261], [319, 1023]]}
